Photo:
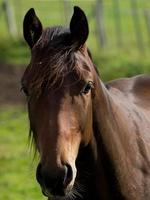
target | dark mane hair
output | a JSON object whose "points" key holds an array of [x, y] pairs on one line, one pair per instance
{"points": [[53, 57]]}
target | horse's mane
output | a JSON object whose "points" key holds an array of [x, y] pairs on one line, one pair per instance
{"points": [[54, 56]]}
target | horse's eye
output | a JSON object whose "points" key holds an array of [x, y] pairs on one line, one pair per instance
{"points": [[25, 91], [87, 87]]}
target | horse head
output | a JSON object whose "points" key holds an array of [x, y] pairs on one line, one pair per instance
{"points": [[60, 86]]}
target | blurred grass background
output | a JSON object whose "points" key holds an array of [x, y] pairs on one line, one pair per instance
{"points": [[114, 60], [17, 167]]}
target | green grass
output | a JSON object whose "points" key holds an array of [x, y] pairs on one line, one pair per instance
{"points": [[17, 168], [14, 52]]}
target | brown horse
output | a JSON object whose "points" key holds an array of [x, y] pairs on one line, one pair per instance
{"points": [[93, 138]]}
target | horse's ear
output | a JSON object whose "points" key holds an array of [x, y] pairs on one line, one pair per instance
{"points": [[79, 26], [32, 28]]}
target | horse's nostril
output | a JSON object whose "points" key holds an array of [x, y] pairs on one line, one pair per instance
{"points": [[68, 175], [39, 173]]}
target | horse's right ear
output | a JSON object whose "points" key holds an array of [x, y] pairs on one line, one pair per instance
{"points": [[32, 28]]}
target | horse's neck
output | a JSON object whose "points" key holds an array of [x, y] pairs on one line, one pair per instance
{"points": [[104, 118], [112, 157]]}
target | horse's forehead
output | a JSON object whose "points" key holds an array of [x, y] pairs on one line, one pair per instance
{"points": [[53, 38]]}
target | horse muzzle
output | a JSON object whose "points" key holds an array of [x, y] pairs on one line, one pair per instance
{"points": [[58, 183]]}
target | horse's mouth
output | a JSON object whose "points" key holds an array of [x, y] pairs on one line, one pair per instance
{"points": [[46, 193], [57, 194], [53, 195]]}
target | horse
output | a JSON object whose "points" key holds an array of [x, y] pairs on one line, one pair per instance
{"points": [[93, 138]]}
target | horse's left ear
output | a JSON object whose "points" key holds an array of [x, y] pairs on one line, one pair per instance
{"points": [[32, 27], [79, 26]]}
